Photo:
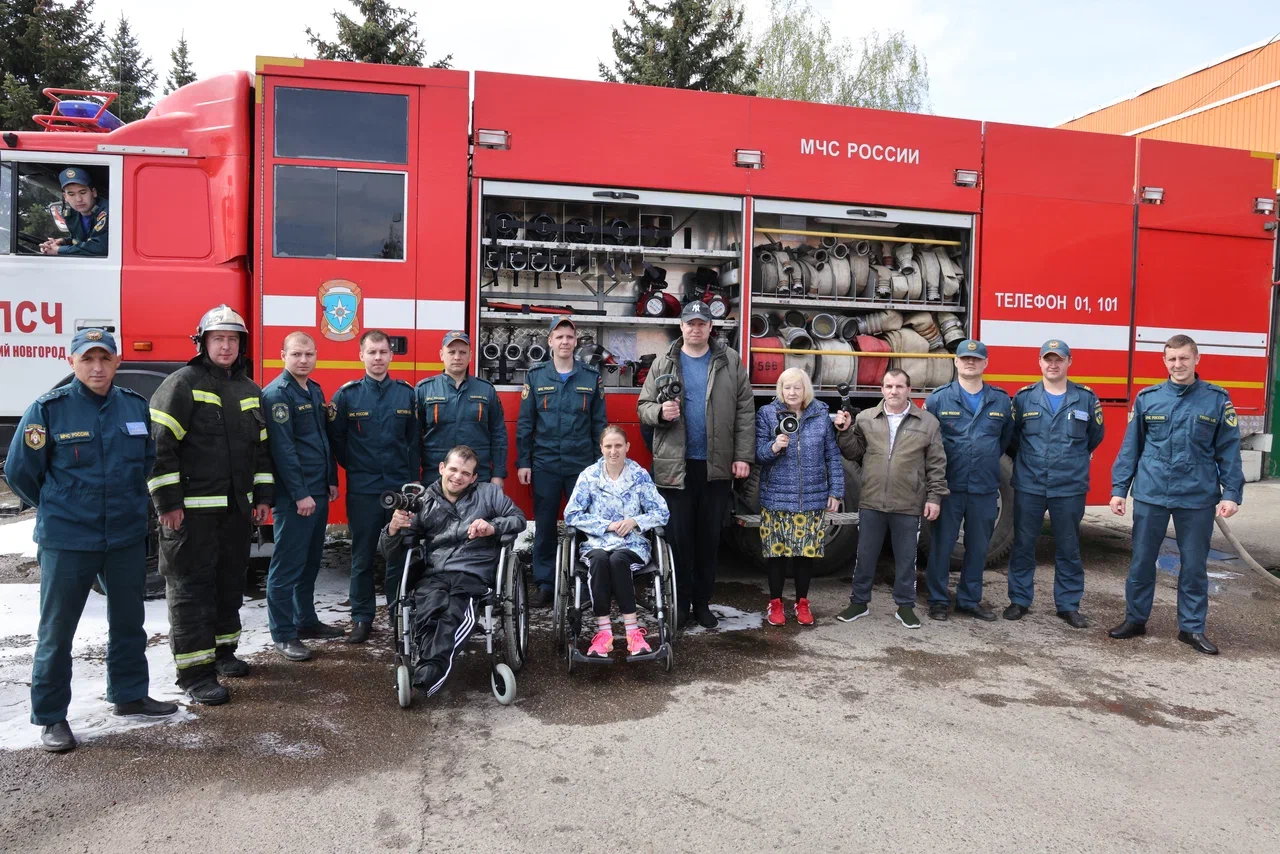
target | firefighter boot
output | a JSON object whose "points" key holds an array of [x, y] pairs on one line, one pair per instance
{"points": [[208, 692]]}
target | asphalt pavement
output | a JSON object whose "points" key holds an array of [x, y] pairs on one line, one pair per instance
{"points": [[961, 736]]}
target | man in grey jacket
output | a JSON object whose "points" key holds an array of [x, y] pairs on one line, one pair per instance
{"points": [[701, 442], [459, 526], [904, 476]]}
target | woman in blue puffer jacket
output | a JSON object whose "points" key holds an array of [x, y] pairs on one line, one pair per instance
{"points": [[801, 476]]}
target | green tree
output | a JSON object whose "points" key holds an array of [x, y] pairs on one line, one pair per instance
{"points": [[801, 60], [45, 43], [182, 73], [388, 35], [684, 44], [127, 71]]}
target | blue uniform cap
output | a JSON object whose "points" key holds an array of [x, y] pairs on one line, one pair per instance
{"points": [[972, 347], [562, 318], [74, 175], [1055, 346], [455, 335], [86, 339]]}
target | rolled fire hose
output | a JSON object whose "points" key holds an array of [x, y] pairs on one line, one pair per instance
{"points": [[899, 285], [578, 231], [905, 256], [542, 227], [808, 269], [932, 274], [1244, 555], [863, 281], [834, 370], [823, 326], [768, 272], [848, 328], [922, 322], [841, 269], [795, 338], [951, 328], [759, 326], [829, 243], [504, 226], [915, 284], [824, 280], [924, 373], [794, 317], [950, 273], [879, 321], [615, 232]]}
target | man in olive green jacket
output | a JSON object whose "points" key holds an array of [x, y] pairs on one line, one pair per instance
{"points": [[904, 476], [701, 441]]}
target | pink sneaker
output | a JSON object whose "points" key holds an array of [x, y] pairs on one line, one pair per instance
{"points": [[636, 644], [601, 644]]}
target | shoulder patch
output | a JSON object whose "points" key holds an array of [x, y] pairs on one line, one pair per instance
{"points": [[524, 391], [331, 410], [34, 436], [101, 222], [280, 412]]}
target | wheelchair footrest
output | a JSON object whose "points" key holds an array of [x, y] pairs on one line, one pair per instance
{"points": [[656, 655]]}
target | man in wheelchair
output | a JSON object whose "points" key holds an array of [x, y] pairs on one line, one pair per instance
{"points": [[458, 526]]}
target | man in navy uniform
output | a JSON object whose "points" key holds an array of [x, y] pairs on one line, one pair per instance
{"points": [[84, 215], [1181, 455], [557, 436], [455, 408], [1057, 426], [977, 427], [375, 438], [81, 456], [306, 481]]}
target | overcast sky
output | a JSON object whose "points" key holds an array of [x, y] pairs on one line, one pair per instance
{"points": [[999, 60]]}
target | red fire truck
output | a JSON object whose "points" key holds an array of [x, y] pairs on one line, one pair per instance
{"points": [[339, 197]]}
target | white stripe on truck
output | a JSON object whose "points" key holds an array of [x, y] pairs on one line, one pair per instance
{"points": [[1079, 336]]}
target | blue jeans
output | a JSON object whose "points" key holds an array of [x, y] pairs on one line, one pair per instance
{"points": [[977, 513], [365, 518], [295, 562], [65, 580], [1065, 514], [1193, 529]]}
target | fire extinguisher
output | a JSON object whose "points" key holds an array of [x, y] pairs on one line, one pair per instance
{"points": [[654, 301], [707, 281]]}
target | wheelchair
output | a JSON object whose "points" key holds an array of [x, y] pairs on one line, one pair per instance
{"points": [[571, 600], [503, 619]]}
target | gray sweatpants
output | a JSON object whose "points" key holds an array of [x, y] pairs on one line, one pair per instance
{"points": [[903, 529]]}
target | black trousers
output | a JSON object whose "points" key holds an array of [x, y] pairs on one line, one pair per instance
{"points": [[693, 531], [548, 491], [801, 570], [445, 611], [609, 576], [204, 564]]}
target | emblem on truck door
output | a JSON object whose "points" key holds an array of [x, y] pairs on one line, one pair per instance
{"points": [[339, 310]]}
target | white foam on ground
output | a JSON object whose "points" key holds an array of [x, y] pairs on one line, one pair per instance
{"points": [[89, 713], [731, 620], [15, 538]]}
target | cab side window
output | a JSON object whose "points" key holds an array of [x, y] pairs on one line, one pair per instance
{"points": [[6, 209], [55, 221]]}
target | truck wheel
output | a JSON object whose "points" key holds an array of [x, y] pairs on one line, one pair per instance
{"points": [[841, 547], [1001, 538]]}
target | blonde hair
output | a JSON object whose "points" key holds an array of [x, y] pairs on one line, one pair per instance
{"points": [[791, 374]]}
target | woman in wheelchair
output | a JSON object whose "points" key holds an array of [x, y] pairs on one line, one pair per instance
{"points": [[459, 525], [613, 504]]}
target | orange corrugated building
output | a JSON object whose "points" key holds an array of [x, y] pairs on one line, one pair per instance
{"points": [[1232, 102]]}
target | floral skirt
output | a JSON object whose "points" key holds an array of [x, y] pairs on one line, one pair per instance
{"points": [[784, 533]]}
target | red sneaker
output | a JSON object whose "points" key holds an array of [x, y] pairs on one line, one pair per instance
{"points": [[775, 615], [803, 615]]}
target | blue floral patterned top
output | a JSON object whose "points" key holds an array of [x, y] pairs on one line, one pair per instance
{"points": [[597, 501]]}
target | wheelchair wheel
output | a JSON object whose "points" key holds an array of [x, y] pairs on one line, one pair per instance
{"points": [[404, 688], [568, 655], [670, 599], [558, 600], [503, 682], [670, 660], [515, 616]]}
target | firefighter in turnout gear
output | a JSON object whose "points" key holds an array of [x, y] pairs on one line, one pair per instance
{"points": [[212, 480]]}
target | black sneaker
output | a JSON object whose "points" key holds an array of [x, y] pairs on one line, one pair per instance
{"points": [[145, 708], [853, 612], [540, 598], [229, 665], [702, 614], [907, 616]]}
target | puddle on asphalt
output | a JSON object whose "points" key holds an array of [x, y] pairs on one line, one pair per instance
{"points": [[1143, 711]]}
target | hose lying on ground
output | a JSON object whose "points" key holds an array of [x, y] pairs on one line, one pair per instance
{"points": [[1244, 555]]}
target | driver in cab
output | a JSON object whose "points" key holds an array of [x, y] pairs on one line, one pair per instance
{"points": [[84, 215]]}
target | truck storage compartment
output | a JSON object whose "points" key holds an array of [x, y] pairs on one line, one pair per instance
{"points": [[840, 285], [620, 262]]}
